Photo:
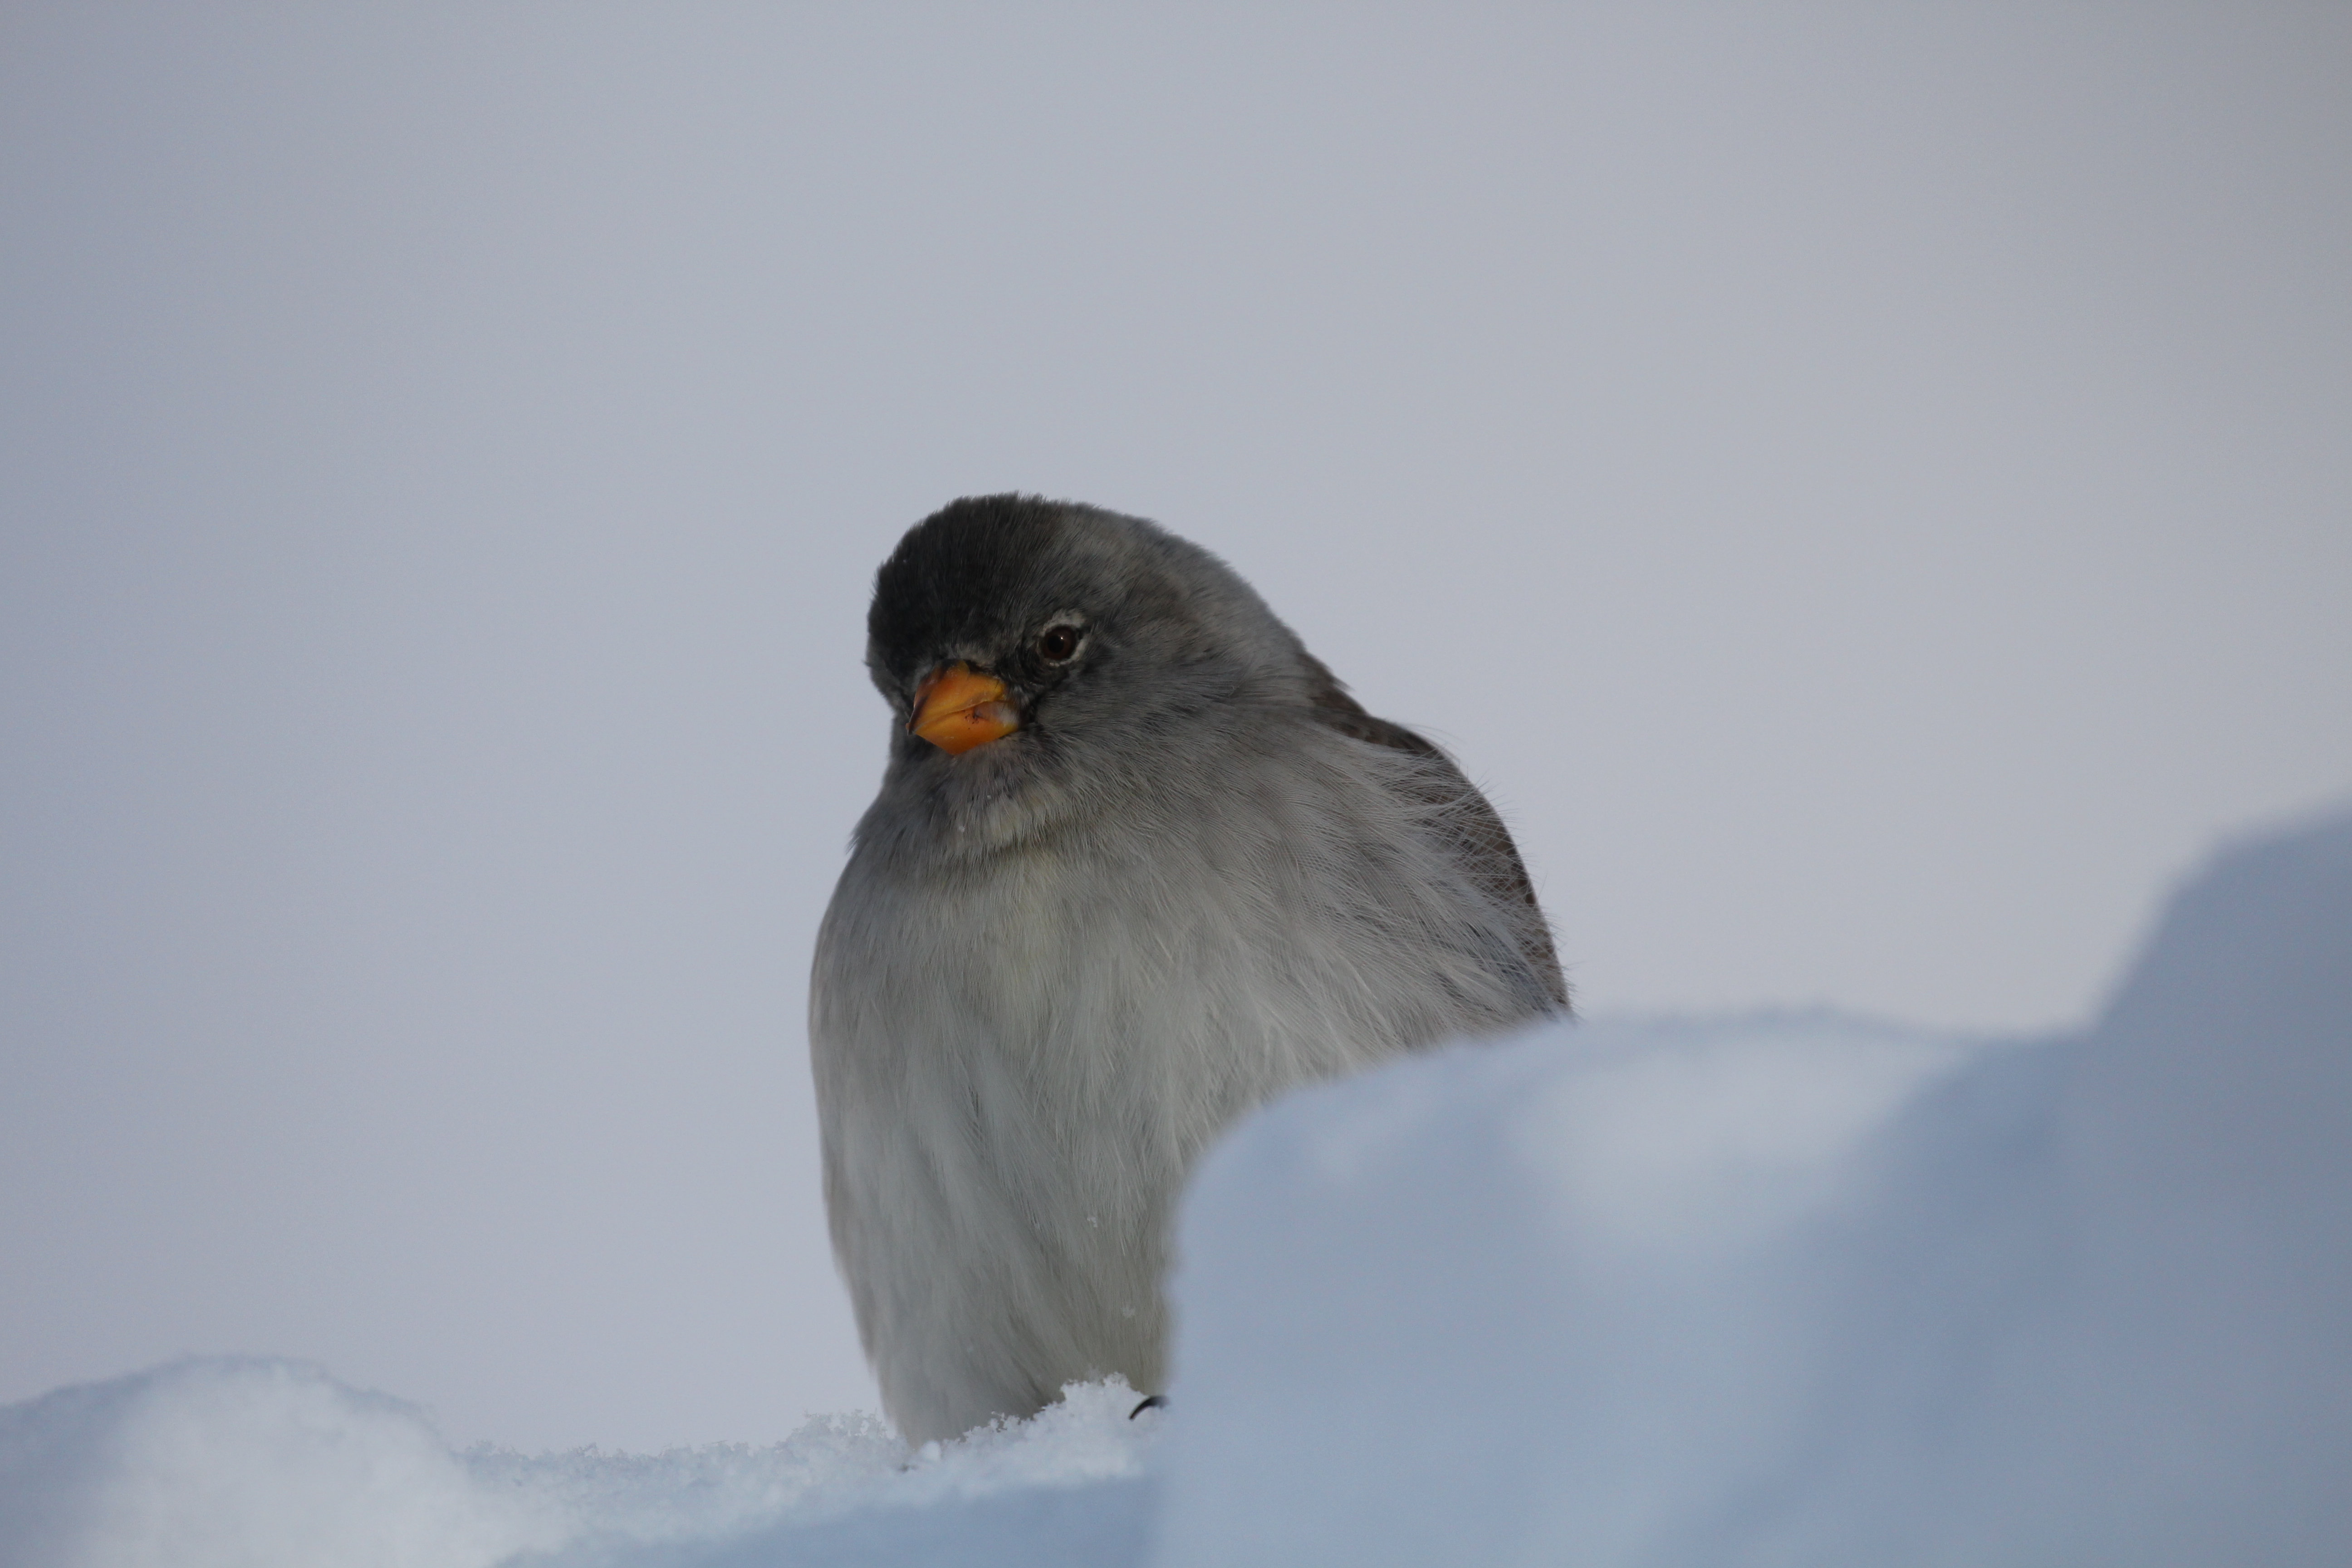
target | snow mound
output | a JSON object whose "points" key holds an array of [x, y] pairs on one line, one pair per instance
{"points": [[258, 1463], [1749, 1293], [1802, 1290]]}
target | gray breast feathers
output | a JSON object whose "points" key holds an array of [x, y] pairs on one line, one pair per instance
{"points": [[1018, 1057]]}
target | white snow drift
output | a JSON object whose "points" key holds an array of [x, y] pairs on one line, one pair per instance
{"points": [[1783, 1290], [1802, 1292], [244, 1463]]}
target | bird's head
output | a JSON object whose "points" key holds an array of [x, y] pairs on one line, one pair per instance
{"points": [[1042, 657]]}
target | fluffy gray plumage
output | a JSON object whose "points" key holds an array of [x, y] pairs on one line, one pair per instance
{"points": [[1059, 964]]}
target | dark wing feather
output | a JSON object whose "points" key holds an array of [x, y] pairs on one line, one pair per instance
{"points": [[1476, 836]]}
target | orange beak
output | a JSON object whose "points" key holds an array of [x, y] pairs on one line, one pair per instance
{"points": [[957, 709]]}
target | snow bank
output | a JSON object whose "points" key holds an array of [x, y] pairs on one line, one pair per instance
{"points": [[1784, 1290], [259, 1464], [1802, 1290]]}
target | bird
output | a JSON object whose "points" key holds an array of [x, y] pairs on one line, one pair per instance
{"points": [[1138, 863]]}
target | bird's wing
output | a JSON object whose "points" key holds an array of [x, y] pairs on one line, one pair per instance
{"points": [[1474, 832]]}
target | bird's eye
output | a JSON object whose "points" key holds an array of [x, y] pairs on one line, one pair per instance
{"points": [[1057, 644]]}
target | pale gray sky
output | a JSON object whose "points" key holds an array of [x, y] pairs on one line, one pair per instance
{"points": [[1870, 492]]}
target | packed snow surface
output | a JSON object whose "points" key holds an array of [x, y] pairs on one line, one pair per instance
{"points": [[1793, 1289], [272, 1464], [1802, 1291]]}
